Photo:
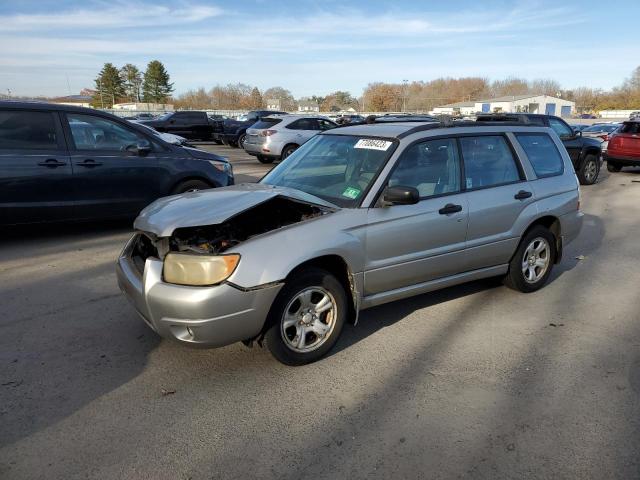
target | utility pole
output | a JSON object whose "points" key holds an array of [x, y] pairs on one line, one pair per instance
{"points": [[404, 95]]}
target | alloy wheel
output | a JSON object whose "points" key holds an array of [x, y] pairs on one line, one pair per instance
{"points": [[536, 260], [309, 319]]}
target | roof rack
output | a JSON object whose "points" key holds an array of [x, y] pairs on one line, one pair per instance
{"points": [[503, 117]]}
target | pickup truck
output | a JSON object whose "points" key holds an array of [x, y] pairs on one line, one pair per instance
{"points": [[186, 124], [233, 132]]}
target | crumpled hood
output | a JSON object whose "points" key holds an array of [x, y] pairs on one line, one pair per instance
{"points": [[212, 207], [202, 155]]}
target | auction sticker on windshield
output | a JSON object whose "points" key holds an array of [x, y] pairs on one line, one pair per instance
{"points": [[373, 144], [351, 193]]}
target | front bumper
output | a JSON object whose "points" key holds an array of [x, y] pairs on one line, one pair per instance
{"points": [[196, 316]]}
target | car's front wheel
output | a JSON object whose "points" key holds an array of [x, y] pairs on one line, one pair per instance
{"points": [[306, 318], [531, 265], [241, 139], [190, 186], [588, 173]]}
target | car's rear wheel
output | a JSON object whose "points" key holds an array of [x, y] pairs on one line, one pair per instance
{"points": [[613, 167], [588, 173], [531, 265], [288, 150], [190, 186], [307, 317], [263, 159]]}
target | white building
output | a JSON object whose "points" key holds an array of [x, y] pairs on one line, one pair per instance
{"points": [[142, 107], [459, 108], [308, 106], [511, 104]]}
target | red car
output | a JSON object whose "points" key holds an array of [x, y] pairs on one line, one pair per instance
{"points": [[624, 147]]}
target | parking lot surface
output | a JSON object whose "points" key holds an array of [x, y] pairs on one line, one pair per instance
{"points": [[475, 381]]}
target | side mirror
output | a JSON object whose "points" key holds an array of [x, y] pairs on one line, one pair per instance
{"points": [[141, 149], [400, 195]]}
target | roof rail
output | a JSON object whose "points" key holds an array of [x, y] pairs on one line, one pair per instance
{"points": [[503, 117]]}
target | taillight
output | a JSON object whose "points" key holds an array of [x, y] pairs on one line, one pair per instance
{"points": [[268, 133]]}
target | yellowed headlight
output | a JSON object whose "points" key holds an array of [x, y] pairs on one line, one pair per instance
{"points": [[198, 270]]}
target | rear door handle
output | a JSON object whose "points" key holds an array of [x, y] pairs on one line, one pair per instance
{"points": [[52, 163], [89, 163], [450, 208], [522, 194]]}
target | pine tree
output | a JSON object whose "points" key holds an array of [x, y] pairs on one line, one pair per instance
{"points": [[156, 87], [109, 87], [255, 99], [132, 81]]}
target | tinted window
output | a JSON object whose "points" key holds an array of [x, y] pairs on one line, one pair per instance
{"points": [[326, 125], [542, 153], [488, 161], [562, 129], [433, 167], [96, 133], [630, 127], [304, 124], [25, 130], [266, 123]]}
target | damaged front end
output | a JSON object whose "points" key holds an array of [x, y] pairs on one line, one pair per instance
{"points": [[195, 255]]}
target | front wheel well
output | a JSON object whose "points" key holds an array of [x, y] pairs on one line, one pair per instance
{"points": [[552, 224], [175, 186], [337, 266]]}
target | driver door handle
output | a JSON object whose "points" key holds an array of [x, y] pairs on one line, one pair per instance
{"points": [[522, 194], [450, 208], [52, 163], [89, 163]]}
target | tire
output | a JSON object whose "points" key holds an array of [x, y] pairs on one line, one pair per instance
{"points": [[241, 140], [613, 167], [526, 257], [288, 150], [320, 333], [589, 170], [190, 186], [263, 159], [218, 142]]}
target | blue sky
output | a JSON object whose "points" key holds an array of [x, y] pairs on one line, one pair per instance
{"points": [[315, 46]]}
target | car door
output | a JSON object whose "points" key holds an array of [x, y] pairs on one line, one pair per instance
{"points": [[498, 192], [115, 168], [570, 139], [179, 124], [303, 129], [411, 244], [35, 169]]}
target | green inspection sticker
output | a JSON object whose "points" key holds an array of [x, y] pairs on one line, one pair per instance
{"points": [[351, 193]]}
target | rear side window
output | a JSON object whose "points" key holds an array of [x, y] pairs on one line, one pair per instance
{"points": [[488, 162], [630, 127], [266, 123], [304, 124], [542, 153], [24, 130]]}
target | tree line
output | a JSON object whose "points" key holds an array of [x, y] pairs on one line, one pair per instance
{"points": [[129, 84]]}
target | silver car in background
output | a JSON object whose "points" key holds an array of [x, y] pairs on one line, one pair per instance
{"points": [[601, 131], [356, 217], [278, 136]]}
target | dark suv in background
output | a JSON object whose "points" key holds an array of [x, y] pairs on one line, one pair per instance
{"points": [[62, 163], [585, 153]]}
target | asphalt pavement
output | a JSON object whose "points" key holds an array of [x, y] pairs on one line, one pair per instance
{"points": [[475, 381]]}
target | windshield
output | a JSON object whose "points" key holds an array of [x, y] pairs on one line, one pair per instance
{"points": [[164, 116], [337, 168]]}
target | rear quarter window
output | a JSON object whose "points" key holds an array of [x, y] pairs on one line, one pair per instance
{"points": [[266, 123], [25, 130], [542, 154]]}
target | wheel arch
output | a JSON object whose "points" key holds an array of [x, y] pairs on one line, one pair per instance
{"points": [[190, 178], [290, 144], [337, 266], [551, 223]]}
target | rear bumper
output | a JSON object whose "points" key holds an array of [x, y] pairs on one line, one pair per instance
{"points": [[628, 160], [196, 316], [570, 226]]}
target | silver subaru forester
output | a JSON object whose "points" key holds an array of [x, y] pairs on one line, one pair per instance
{"points": [[356, 217]]}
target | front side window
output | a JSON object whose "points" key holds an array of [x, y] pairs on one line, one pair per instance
{"points": [[562, 129], [488, 161], [96, 133], [432, 167], [542, 154], [25, 130], [337, 168], [326, 125]]}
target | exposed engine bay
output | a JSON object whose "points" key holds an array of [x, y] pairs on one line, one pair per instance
{"points": [[265, 217]]}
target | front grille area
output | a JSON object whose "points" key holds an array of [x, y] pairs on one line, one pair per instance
{"points": [[143, 248]]}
